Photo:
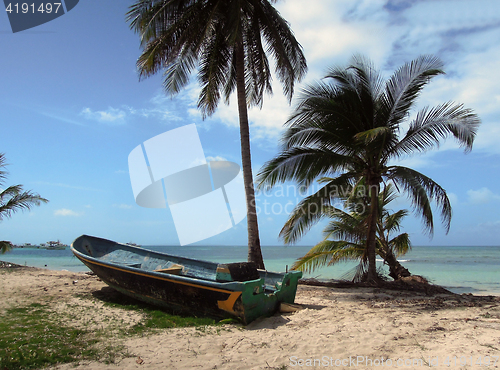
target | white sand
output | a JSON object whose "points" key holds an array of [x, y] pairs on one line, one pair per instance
{"points": [[338, 328]]}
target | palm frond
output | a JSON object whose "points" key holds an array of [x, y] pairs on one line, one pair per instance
{"points": [[213, 72], [346, 226], [5, 246], [330, 110], [421, 189], [404, 87], [14, 199], [3, 164], [175, 34], [290, 63], [178, 72], [348, 126], [400, 244], [328, 252], [357, 273], [313, 208], [370, 135], [433, 124], [302, 165]]}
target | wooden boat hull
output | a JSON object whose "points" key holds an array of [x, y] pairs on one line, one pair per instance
{"points": [[187, 285]]}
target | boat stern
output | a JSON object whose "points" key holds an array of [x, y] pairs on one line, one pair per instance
{"points": [[263, 297]]}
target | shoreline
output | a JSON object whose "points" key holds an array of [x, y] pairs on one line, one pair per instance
{"points": [[477, 291], [458, 269], [368, 323]]}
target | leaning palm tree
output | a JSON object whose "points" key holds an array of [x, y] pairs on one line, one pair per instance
{"points": [[351, 128], [387, 224], [229, 41], [345, 235], [13, 199]]}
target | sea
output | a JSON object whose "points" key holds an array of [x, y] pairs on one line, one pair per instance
{"points": [[460, 269]]}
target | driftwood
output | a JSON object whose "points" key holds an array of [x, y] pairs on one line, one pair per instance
{"points": [[412, 283]]}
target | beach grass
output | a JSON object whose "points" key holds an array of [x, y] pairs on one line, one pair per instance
{"points": [[31, 338], [38, 335], [153, 317]]}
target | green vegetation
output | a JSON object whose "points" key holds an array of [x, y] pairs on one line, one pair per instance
{"points": [[31, 338], [153, 317], [36, 336], [345, 235], [350, 128], [13, 199], [229, 42]]}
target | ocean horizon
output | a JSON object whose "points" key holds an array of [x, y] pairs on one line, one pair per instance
{"points": [[460, 269]]}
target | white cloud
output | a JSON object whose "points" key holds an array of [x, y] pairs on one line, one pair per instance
{"points": [[416, 161], [331, 31], [215, 159], [111, 115], [391, 33], [160, 107], [482, 196], [462, 33], [65, 212], [266, 123], [473, 83]]}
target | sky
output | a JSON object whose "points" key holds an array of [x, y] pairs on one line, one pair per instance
{"points": [[72, 108]]}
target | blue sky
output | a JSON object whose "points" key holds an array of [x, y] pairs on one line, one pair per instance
{"points": [[72, 109]]}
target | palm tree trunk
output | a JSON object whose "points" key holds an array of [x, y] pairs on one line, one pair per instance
{"points": [[396, 270], [254, 251], [373, 188]]}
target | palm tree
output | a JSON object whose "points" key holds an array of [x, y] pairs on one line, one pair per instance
{"points": [[388, 223], [13, 199], [345, 236], [228, 40], [350, 128]]}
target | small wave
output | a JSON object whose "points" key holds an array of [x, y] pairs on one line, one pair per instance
{"points": [[381, 260]]}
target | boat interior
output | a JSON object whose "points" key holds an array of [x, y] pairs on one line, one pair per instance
{"points": [[146, 260]]}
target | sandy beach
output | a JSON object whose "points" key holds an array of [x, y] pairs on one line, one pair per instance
{"points": [[360, 328]]}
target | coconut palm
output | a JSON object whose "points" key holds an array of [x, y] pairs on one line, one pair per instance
{"points": [[388, 223], [345, 235], [350, 127], [229, 41], [13, 199]]}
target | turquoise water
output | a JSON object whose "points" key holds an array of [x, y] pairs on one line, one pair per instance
{"points": [[460, 269]]}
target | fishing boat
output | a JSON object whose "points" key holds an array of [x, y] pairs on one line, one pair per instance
{"points": [[237, 290], [54, 245], [133, 244], [28, 245]]}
